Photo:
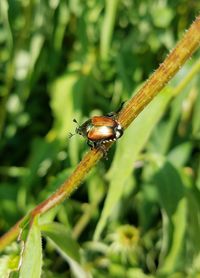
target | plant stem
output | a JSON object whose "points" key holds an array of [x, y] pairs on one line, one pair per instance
{"points": [[174, 61], [184, 49]]}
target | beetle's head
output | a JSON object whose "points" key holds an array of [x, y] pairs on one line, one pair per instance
{"points": [[78, 130]]}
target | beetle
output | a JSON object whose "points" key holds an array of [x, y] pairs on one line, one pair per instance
{"points": [[99, 130]]}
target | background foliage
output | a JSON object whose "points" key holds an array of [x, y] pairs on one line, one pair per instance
{"points": [[73, 59]]}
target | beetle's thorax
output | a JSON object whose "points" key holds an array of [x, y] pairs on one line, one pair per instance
{"points": [[84, 128]]}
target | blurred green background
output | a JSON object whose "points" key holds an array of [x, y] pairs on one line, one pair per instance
{"points": [[61, 60]]}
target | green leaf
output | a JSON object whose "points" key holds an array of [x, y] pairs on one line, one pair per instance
{"points": [[162, 16], [129, 146], [137, 273], [196, 118], [162, 136], [8, 263], [146, 199], [31, 265], [108, 26], [61, 237], [170, 190], [173, 204], [193, 219], [42, 155], [61, 93], [67, 94], [5, 17], [55, 182], [180, 154], [63, 19], [65, 245]]}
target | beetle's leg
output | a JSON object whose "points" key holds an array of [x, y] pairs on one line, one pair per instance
{"points": [[100, 145], [103, 149], [120, 107], [111, 115], [91, 144], [114, 114]]}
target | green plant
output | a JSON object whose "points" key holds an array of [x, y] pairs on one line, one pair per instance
{"points": [[168, 188]]}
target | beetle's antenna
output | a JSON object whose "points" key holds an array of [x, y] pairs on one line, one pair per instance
{"points": [[72, 134], [75, 121]]}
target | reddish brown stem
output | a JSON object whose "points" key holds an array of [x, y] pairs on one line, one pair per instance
{"points": [[174, 61], [151, 88]]}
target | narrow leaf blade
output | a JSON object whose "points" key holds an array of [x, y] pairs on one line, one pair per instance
{"points": [[32, 256], [136, 137]]}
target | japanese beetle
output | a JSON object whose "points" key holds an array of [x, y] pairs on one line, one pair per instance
{"points": [[99, 130]]}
